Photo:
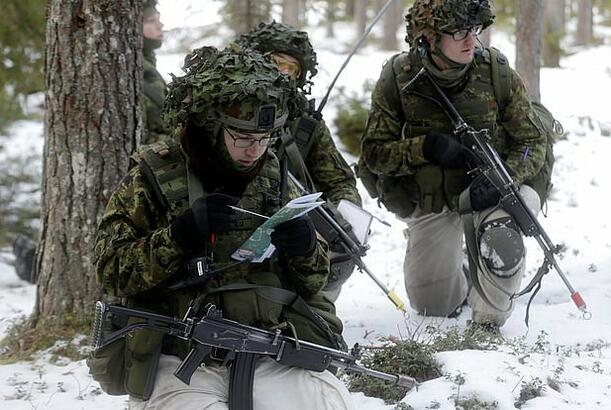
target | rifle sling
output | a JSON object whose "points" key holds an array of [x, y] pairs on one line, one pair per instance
{"points": [[295, 158], [241, 380], [466, 212]]}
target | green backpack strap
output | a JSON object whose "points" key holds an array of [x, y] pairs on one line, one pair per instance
{"points": [[501, 78], [392, 73]]}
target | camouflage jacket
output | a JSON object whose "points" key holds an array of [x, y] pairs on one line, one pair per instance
{"points": [[389, 152], [330, 173], [154, 89], [137, 259]]}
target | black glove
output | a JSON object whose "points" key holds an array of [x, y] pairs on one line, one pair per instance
{"points": [[443, 149], [296, 237], [483, 194], [208, 214]]}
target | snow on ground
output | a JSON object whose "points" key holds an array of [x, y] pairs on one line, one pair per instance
{"points": [[561, 351]]}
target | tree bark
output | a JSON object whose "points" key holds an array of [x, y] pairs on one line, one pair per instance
{"points": [[553, 31], [583, 35], [330, 18], [528, 43], [486, 37], [92, 124], [290, 12], [391, 22], [360, 16]]}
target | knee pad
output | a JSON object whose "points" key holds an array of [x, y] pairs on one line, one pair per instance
{"points": [[501, 247]]}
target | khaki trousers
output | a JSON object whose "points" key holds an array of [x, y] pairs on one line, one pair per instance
{"points": [[276, 387], [434, 279]]}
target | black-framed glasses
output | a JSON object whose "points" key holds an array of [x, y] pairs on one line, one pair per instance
{"points": [[244, 141], [462, 34]]}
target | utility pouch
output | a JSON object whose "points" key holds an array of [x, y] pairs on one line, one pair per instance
{"points": [[107, 365], [429, 179]]}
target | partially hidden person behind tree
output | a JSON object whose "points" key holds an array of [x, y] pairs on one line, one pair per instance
{"points": [[168, 233], [153, 85], [412, 161], [154, 89], [308, 148]]}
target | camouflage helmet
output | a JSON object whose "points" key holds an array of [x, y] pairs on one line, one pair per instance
{"points": [[236, 88], [429, 17], [278, 37], [149, 7]]}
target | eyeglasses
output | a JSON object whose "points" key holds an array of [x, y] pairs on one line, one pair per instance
{"points": [[242, 141], [462, 34]]}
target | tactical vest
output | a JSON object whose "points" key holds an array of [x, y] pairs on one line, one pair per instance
{"points": [[242, 292]]}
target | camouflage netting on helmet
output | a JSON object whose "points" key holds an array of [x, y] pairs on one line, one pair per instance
{"points": [[149, 7], [233, 82], [279, 37], [429, 17]]}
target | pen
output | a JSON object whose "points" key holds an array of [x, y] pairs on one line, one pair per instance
{"points": [[235, 208], [525, 154]]}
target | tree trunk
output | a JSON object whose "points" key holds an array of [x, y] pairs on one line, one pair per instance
{"points": [[553, 31], [391, 22], [290, 12], [360, 16], [350, 7], [486, 37], [330, 18], [528, 43], [92, 124], [583, 35]]}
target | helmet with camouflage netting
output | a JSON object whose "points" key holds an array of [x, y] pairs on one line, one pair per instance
{"points": [[279, 37], [427, 18], [240, 89], [149, 7]]}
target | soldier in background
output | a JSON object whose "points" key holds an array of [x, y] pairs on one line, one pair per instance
{"points": [[309, 148], [417, 167], [153, 85]]}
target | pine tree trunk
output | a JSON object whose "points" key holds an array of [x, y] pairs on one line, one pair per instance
{"points": [[529, 43], [92, 124], [486, 37], [290, 12], [553, 31], [583, 35], [360, 16], [330, 18], [391, 22]]}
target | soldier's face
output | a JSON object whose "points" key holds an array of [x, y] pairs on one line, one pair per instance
{"points": [[246, 148], [461, 51], [287, 64], [152, 27]]}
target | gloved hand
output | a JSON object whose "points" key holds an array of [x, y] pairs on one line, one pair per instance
{"points": [[444, 150], [208, 214], [483, 194], [296, 237]]}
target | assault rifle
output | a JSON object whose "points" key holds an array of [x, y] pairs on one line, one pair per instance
{"points": [[489, 164], [333, 232], [211, 334]]}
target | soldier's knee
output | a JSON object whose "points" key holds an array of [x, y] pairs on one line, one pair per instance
{"points": [[501, 246]]}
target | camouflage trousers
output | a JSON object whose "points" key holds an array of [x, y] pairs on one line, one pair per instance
{"points": [[276, 387], [435, 279]]}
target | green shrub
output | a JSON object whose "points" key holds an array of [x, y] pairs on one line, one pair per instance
{"points": [[352, 117], [406, 358]]}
